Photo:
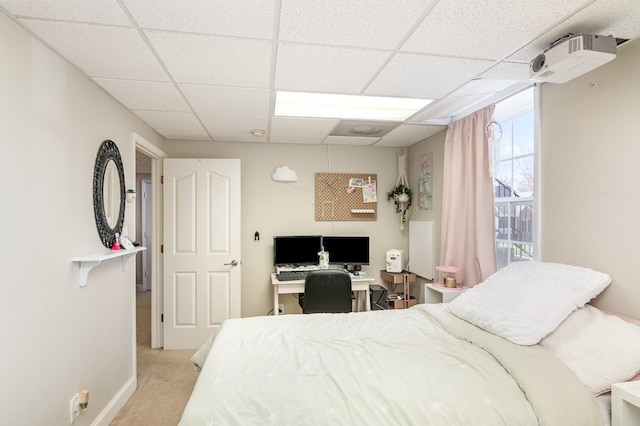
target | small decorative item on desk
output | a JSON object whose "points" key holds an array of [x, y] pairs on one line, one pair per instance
{"points": [[323, 259], [116, 242]]}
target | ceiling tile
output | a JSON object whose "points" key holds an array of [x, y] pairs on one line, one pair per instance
{"points": [[423, 76], [408, 134], [364, 128], [227, 100], [94, 11], [446, 108], [234, 127], [190, 135], [210, 69], [242, 18], [145, 95], [300, 130], [122, 55], [619, 18], [382, 143], [350, 140], [170, 120], [222, 61], [482, 86], [485, 29], [380, 24], [514, 71], [326, 69]]}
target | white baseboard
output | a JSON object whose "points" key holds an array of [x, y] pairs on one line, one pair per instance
{"points": [[113, 408]]}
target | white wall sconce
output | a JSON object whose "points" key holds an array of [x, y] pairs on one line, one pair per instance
{"points": [[284, 174], [131, 195]]}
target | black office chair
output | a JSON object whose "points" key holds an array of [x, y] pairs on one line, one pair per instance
{"points": [[327, 290]]}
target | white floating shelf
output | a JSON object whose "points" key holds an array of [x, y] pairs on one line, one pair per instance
{"points": [[366, 211], [89, 261]]}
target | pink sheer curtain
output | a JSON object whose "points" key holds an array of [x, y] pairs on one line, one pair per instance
{"points": [[467, 238]]}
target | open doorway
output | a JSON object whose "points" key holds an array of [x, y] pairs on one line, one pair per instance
{"points": [[149, 230], [144, 209]]}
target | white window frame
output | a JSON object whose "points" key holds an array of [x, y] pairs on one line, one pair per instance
{"points": [[535, 199]]}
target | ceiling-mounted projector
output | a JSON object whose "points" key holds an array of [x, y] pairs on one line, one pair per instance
{"points": [[571, 56]]}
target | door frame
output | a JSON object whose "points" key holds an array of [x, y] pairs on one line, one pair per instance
{"points": [[156, 155], [146, 192]]}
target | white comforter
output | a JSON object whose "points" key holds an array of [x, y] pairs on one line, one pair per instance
{"points": [[396, 367]]}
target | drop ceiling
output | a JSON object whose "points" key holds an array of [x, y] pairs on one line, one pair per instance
{"points": [[209, 69]]}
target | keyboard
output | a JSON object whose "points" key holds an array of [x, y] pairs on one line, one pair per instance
{"points": [[291, 275]]}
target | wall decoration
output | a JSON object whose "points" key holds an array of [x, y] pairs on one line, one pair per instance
{"points": [[346, 196], [424, 183], [401, 193], [402, 198]]}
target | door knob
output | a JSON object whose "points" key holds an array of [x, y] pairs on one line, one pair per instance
{"points": [[232, 263]]}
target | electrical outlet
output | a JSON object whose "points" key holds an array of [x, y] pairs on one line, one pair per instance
{"points": [[74, 408], [281, 308]]}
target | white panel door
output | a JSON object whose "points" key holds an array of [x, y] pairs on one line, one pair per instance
{"points": [[201, 248]]}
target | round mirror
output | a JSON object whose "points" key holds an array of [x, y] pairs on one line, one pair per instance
{"points": [[108, 192], [111, 193]]}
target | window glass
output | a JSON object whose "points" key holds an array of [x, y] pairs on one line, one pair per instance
{"points": [[523, 134], [514, 182], [523, 176], [506, 141]]}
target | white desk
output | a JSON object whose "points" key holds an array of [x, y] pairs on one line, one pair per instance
{"points": [[359, 283]]}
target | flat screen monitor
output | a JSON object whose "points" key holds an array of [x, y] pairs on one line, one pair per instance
{"points": [[347, 250], [296, 250]]}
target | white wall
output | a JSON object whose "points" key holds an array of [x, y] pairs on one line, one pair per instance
{"points": [[434, 145], [276, 208], [58, 338], [591, 178]]}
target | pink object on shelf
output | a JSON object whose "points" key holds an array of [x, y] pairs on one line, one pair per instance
{"points": [[116, 243], [447, 269]]}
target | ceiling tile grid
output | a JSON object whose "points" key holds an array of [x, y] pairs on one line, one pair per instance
{"points": [[210, 69], [147, 95], [485, 29], [205, 59], [226, 100], [313, 68], [94, 11], [380, 24], [101, 51], [239, 18]]}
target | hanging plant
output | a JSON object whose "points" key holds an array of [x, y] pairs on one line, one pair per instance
{"points": [[402, 197]]}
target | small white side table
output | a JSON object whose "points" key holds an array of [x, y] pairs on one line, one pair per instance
{"points": [[625, 403], [439, 294]]}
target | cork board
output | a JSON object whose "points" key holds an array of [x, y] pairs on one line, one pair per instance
{"points": [[346, 196]]}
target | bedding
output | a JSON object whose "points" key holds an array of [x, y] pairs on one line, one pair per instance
{"points": [[525, 301], [601, 349], [418, 366]]}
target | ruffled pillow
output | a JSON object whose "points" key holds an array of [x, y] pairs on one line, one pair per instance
{"points": [[601, 349]]}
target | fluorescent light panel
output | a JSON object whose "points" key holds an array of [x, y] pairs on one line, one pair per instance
{"points": [[326, 105]]}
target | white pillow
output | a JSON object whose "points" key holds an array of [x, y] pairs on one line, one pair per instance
{"points": [[601, 349], [525, 301]]}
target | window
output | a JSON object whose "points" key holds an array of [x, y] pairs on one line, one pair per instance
{"points": [[514, 178]]}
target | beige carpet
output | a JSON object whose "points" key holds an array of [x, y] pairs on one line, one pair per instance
{"points": [[165, 378]]}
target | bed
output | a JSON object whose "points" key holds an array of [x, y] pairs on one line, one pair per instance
{"points": [[496, 355]]}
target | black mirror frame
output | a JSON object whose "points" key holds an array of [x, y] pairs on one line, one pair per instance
{"points": [[108, 151]]}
